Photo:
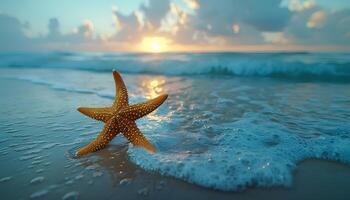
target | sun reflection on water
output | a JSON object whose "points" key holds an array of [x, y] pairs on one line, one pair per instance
{"points": [[154, 88]]}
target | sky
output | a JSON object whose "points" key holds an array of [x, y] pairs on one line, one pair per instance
{"points": [[174, 25]]}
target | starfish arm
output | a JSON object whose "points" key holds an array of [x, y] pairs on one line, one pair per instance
{"points": [[141, 109], [107, 134], [101, 114], [121, 93], [134, 135]]}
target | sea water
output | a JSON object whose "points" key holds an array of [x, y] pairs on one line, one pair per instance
{"points": [[232, 120]]}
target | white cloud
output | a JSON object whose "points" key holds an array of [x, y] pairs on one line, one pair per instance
{"points": [[174, 19], [299, 5], [86, 29], [317, 19], [140, 18], [203, 37], [116, 21], [236, 28], [275, 37], [193, 4]]}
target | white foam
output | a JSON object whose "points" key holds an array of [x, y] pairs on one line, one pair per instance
{"points": [[247, 154]]}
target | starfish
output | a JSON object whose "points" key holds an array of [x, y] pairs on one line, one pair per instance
{"points": [[120, 118]]}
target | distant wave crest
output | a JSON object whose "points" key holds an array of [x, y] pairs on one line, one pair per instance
{"points": [[321, 66]]}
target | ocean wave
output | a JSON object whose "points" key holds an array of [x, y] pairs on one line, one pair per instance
{"points": [[310, 66]]}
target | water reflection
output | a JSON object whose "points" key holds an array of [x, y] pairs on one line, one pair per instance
{"points": [[152, 88]]}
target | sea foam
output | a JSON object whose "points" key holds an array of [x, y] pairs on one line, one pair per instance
{"points": [[246, 155]]}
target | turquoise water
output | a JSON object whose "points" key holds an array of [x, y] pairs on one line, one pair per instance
{"points": [[231, 121]]}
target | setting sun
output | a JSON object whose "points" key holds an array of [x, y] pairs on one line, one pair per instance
{"points": [[155, 47], [154, 44]]}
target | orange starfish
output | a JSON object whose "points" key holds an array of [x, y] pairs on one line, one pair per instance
{"points": [[120, 117]]}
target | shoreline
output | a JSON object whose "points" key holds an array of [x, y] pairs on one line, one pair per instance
{"points": [[312, 179], [111, 173]]}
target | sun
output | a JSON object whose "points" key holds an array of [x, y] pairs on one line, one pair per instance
{"points": [[154, 44], [155, 47]]}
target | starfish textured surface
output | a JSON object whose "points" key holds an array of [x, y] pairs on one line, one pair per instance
{"points": [[120, 118]]}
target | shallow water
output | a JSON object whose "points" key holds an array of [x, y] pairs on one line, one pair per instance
{"points": [[216, 131]]}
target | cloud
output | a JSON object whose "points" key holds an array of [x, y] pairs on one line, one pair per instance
{"points": [[80, 34], [12, 34], [54, 28], [193, 4], [317, 19], [128, 27], [13, 37], [218, 24], [174, 19], [236, 28], [265, 15], [275, 37], [140, 24], [318, 27], [155, 11], [85, 30], [298, 5], [157, 15], [232, 22]]}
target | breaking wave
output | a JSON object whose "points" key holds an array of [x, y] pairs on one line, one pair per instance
{"points": [[318, 66]]}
